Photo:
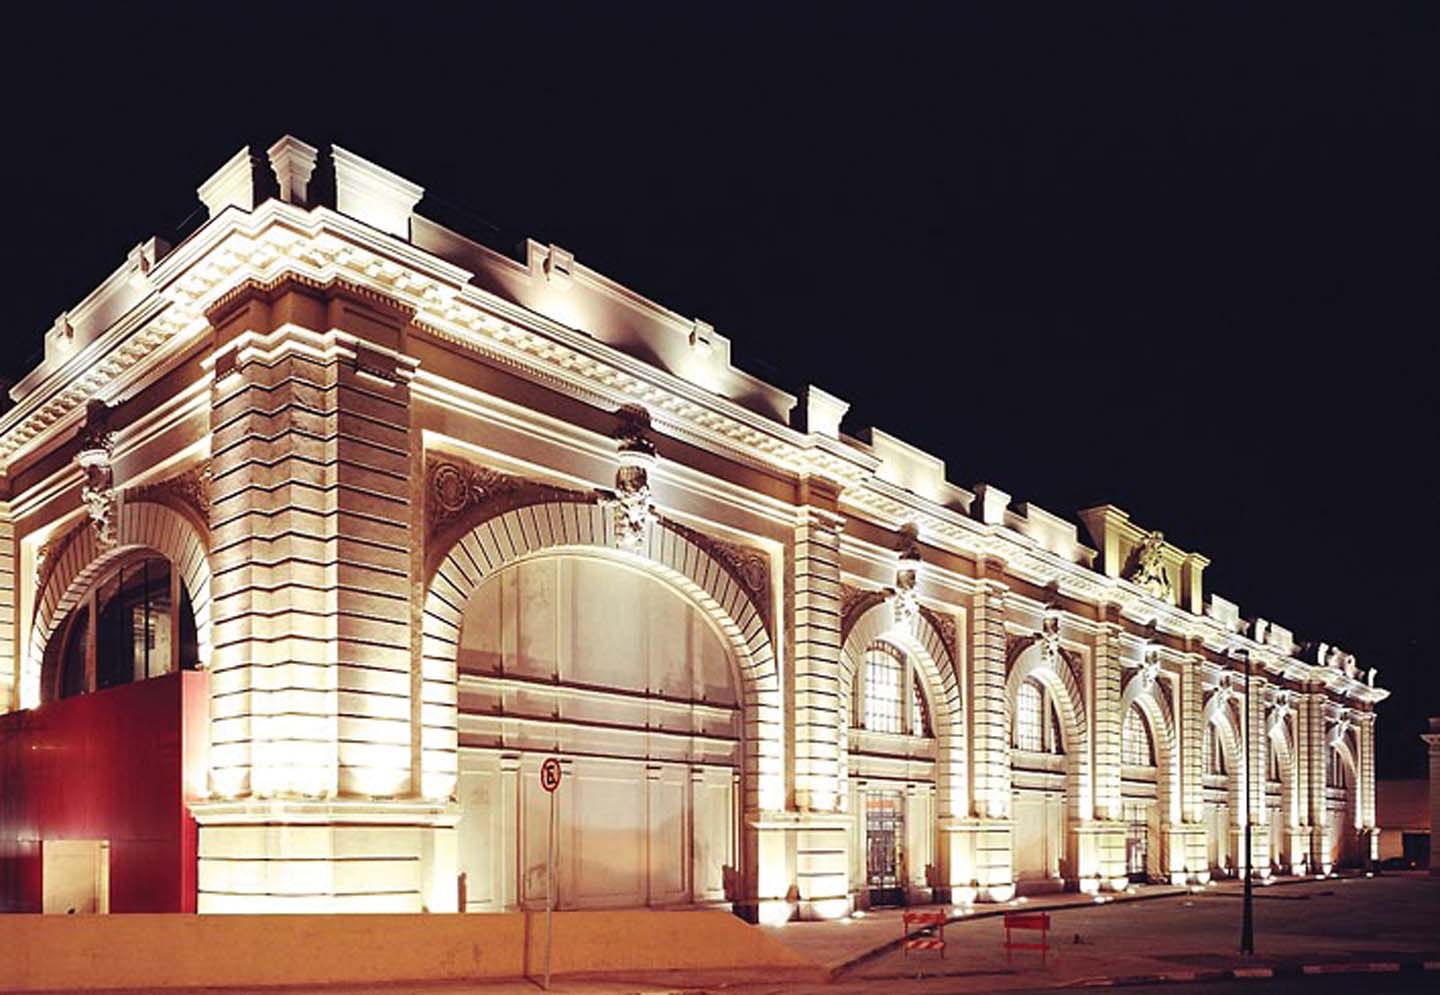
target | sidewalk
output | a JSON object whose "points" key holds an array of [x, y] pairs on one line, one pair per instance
{"points": [[1303, 926], [842, 945]]}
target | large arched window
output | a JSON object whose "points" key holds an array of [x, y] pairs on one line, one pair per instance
{"points": [[1336, 776], [1136, 748], [1029, 718], [134, 624], [884, 674], [889, 696]]}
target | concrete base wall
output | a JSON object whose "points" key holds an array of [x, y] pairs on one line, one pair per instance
{"points": [[47, 953]]}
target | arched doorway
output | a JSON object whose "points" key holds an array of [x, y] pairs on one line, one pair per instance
{"points": [[891, 760], [902, 750], [1037, 775], [1141, 797], [1050, 774], [586, 655], [1222, 779], [1343, 848]]}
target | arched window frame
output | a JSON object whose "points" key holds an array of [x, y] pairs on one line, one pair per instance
{"points": [[914, 718], [1137, 746], [79, 666], [1029, 724]]}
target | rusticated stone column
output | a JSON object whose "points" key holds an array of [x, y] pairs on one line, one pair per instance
{"points": [[330, 777], [821, 841]]}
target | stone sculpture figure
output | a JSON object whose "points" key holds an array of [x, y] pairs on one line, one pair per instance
{"points": [[1149, 573]]}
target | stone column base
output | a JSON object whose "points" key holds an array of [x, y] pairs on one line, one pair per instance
{"points": [[975, 860], [1098, 856], [1185, 854], [801, 867], [291, 855]]}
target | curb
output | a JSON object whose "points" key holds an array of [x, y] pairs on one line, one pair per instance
{"points": [[1258, 973]]}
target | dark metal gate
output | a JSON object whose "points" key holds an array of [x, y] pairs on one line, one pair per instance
{"points": [[884, 833], [1137, 842]]}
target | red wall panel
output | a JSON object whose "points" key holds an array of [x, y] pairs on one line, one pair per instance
{"points": [[114, 766]]}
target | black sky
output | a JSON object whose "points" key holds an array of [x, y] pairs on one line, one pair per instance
{"points": [[1182, 258]]}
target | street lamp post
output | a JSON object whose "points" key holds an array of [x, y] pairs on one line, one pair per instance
{"points": [[1247, 915]]}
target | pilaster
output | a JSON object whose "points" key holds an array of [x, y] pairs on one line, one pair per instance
{"points": [[1369, 831], [1256, 771], [819, 711], [1311, 749], [1190, 732], [979, 849], [820, 844], [1105, 714]]}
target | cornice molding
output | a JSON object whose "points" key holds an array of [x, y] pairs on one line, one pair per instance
{"points": [[278, 241]]}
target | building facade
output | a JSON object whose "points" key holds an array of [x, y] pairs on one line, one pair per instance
{"points": [[417, 514]]}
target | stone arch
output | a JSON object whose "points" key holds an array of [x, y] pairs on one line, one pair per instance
{"points": [[81, 561], [1218, 714], [922, 641], [1162, 735], [1055, 673], [1279, 737], [672, 553]]}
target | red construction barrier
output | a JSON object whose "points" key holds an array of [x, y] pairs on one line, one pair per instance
{"points": [[931, 936], [1032, 921]]}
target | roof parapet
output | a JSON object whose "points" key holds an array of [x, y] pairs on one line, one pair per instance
{"points": [[818, 411]]}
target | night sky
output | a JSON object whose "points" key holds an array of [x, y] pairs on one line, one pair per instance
{"points": [[1181, 258]]}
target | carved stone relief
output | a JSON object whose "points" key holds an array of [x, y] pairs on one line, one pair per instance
{"points": [[95, 455], [854, 602], [746, 565], [186, 492]]}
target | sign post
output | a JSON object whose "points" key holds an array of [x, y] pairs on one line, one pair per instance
{"points": [[550, 780]]}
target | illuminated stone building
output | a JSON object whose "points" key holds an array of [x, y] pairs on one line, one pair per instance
{"points": [[393, 516]]}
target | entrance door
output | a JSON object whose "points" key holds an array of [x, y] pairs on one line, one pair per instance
{"points": [[884, 829], [1137, 842]]}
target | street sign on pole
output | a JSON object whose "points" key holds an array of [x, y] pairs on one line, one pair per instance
{"points": [[550, 775]]}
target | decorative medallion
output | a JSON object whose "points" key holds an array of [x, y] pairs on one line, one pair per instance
{"points": [[460, 494]]}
